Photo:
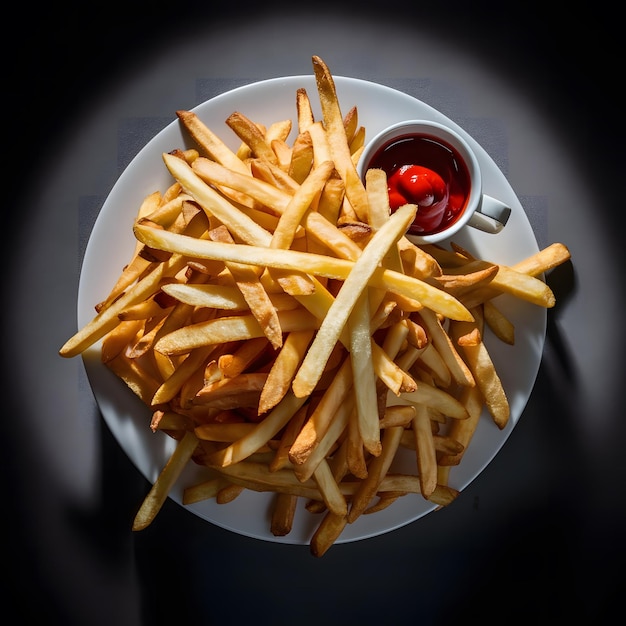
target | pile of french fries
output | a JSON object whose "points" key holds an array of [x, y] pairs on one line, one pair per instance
{"points": [[284, 331]]}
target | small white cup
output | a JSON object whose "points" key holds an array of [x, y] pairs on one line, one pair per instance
{"points": [[478, 210]]}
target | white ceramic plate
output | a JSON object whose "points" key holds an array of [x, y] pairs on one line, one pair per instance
{"points": [[112, 241]]}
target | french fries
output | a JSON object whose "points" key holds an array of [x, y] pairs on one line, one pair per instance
{"points": [[284, 331]]}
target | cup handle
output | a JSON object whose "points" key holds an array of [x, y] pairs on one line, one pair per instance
{"points": [[491, 216]]}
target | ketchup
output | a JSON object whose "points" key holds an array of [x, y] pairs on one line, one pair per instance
{"points": [[425, 171]]}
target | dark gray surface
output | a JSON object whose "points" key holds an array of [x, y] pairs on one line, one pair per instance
{"points": [[535, 535]]}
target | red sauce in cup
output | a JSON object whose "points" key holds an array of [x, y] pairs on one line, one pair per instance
{"points": [[425, 171]]}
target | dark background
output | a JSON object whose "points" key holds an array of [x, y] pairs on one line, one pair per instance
{"points": [[60, 61]]}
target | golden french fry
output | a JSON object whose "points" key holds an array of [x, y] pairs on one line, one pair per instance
{"points": [[377, 470], [438, 399], [331, 237], [357, 143], [501, 326], [167, 214], [385, 499], [397, 415], [236, 362], [304, 110], [145, 340], [355, 457], [471, 338], [441, 340], [278, 131], [301, 160], [337, 140], [416, 334], [484, 372], [543, 261], [507, 280], [231, 328], [445, 445], [143, 310], [378, 197], [227, 431], [442, 495], [333, 498], [136, 269], [204, 491], [252, 136], [350, 123], [241, 391], [228, 493], [273, 174], [425, 448], [462, 431], [170, 421], [322, 416], [327, 533], [379, 212], [219, 296], [290, 432], [209, 142], [284, 368], [165, 481], [140, 381], [459, 281], [364, 377], [119, 338], [255, 475], [321, 148], [210, 296], [416, 261], [282, 152], [283, 513]]}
